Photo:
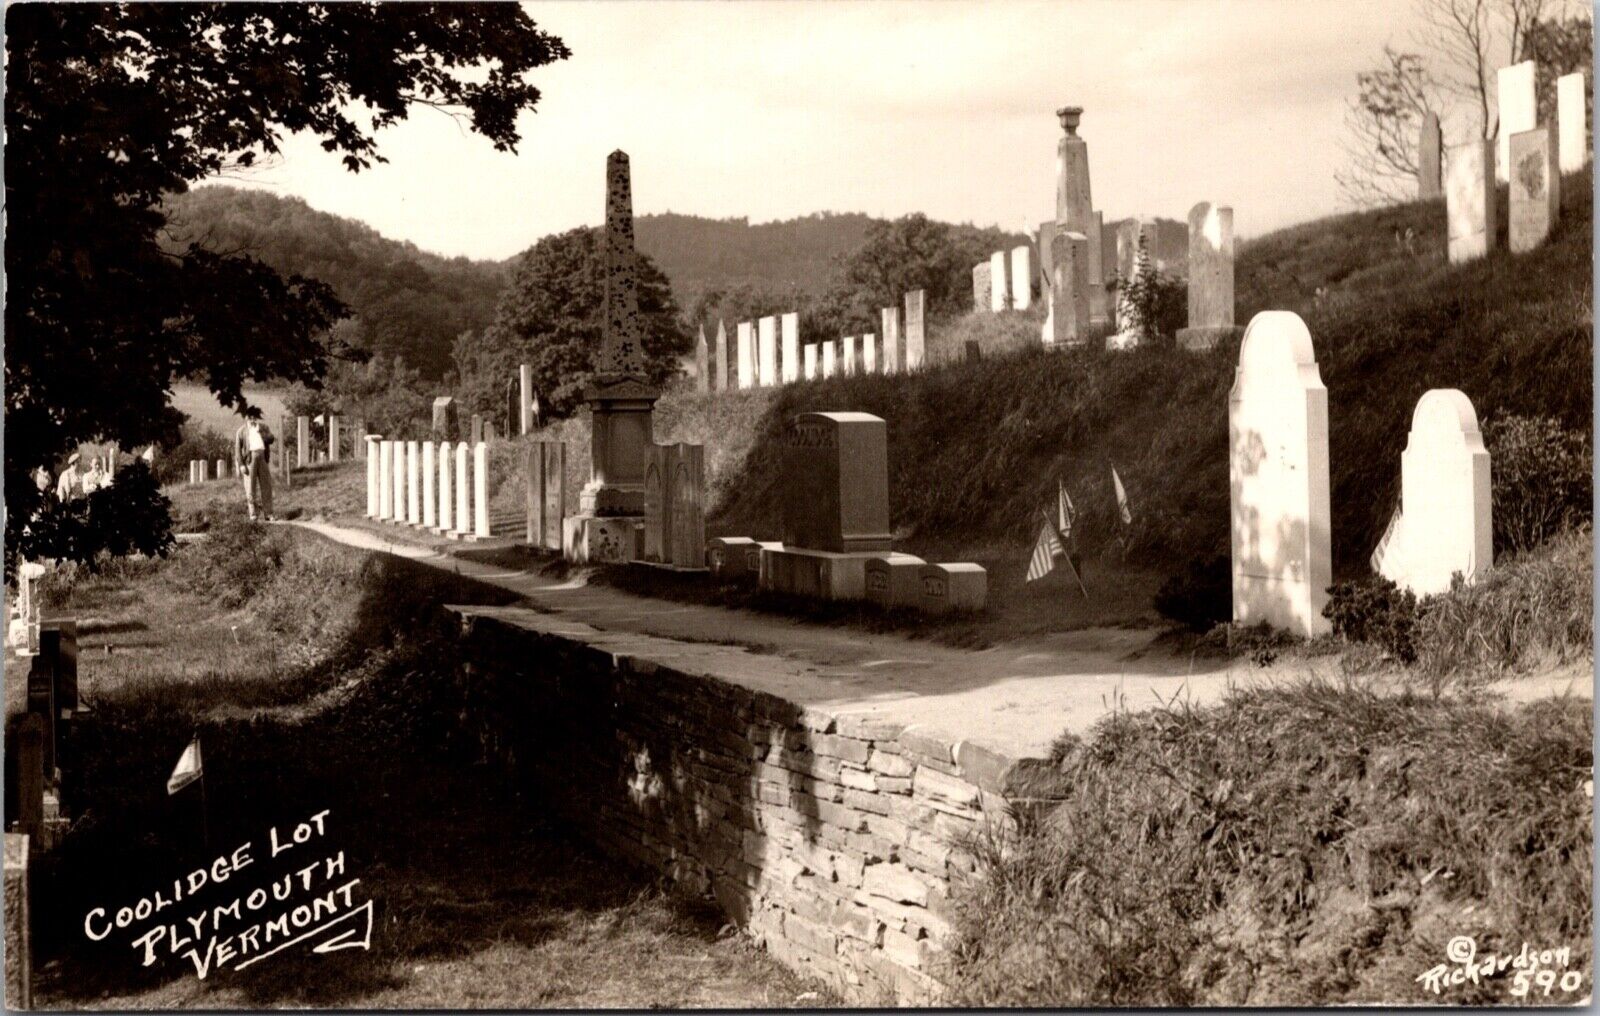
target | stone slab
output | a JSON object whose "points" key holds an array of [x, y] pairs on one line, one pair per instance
{"points": [[1535, 190], [894, 580]]}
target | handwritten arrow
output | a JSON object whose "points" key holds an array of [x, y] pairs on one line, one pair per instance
{"points": [[343, 940]]}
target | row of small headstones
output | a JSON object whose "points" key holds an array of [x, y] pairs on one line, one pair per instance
{"points": [[762, 360], [1533, 158], [412, 483], [893, 579]]}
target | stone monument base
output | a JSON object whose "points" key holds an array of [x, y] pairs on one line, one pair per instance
{"points": [[1208, 336], [820, 574], [601, 539]]}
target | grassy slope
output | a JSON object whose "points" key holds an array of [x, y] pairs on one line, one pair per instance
{"points": [[975, 448]]}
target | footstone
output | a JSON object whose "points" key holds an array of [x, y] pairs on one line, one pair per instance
{"points": [[1430, 147], [702, 368], [836, 483], [951, 587], [997, 281], [1535, 190], [894, 580], [1518, 102], [849, 355], [869, 354], [982, 287], [747, 354], [890, 324], [915, 338], [1068, 320], [430, 503], [789, 366], [734, 559], [827, 359], [1278, 478], [1210, 277], [1572, 120], [445, 420], [447, 494], [721, 375], [810, 372], [1021, 277], [767, 362], [1470, 201], [1446, 524]]}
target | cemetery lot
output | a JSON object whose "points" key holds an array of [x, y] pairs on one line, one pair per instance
{"points": [[287, 655]]}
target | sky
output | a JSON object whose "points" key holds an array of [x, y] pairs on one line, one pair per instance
{"points": [[772, 110]]}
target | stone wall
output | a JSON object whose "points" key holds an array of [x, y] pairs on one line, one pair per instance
{"points": [[836, 840]]}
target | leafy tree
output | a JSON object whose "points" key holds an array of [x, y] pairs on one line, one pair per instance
{"points": [[111, 106], [550, 318], [1561, 46], [1382, 128]]}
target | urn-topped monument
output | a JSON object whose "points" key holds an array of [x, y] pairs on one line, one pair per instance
{"points": [[621, 399]]}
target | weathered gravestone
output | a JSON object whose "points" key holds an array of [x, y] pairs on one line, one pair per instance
{"points": [[998, 285], [767, 365], [982, 287], [555, 492], [1210, 278], [952, 587], [747, 354], [1469, 195], [1067, 322], [359, 448], [702, 363], [1518, 100], [1278, 478], [729, 558], [836, 506], [894, 580], [686, 496], [1572, 120], [1021, 277], [18, 934], [811, 361], [722, 357], [27, 806], [446, 418], [890, 321], [1430, 148], [789, 366], [1534, 191], [916, 340], [1446, 521]]}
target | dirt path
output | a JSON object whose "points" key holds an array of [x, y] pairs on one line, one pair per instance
{"points": [[1015, 698]]}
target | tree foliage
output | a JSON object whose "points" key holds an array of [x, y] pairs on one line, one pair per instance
{"points": [[550, 317], [1382, 130], [111, 106]]}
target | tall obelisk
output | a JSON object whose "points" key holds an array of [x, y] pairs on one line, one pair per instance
{"points": [[621, 399], [1075, 205]]}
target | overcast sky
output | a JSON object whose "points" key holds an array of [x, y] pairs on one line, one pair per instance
{"points": [[773, 110]]}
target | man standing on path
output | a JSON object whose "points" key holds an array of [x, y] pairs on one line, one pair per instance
{"points": [[252, 444]]}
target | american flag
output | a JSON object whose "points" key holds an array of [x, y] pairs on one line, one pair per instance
{"points": [[1065, 514], [1045, 550], [1382, 550], [1122, 498]]}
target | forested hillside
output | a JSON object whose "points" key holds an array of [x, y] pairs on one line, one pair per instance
{"points": [[795, 255], [403, 300]]}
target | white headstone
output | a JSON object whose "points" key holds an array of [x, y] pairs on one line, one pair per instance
{"points": [[463, 490], [890, 323], [811, 361], [398, 478], [767, 363], [1021, 277], [997, 281], [1469, 196], [916, 337], [869, 354], [430, 501], [447, 500], [747, 355], [1278, 478], [385, 483], [849, 355], [1519, 110], [1572, 119], [413, 488], [373, 465], [480, 490], [827, 358], [1446, 511], [791, 347]]}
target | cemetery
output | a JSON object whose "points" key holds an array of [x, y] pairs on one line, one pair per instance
{"points": [[1183, 612]]}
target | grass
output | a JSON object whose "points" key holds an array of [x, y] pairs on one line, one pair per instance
{"points": [[1310, 844], [326, 682]]}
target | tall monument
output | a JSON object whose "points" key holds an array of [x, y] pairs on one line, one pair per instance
{"points": [[1075, 204], [621, 399]]}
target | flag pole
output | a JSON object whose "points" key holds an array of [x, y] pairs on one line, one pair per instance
{"points": [[1067, 556], [205, 818]]}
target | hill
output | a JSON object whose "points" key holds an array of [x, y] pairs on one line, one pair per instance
{"points": [[975, 448], [404, 300], [791, 256]]}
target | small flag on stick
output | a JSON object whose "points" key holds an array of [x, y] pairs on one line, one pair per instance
{"points": [[1122, 498], [1065, 514], [1045, 549], [188, 768], [1380, 552]]}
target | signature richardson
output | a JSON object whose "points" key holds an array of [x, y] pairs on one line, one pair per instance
{"points": [[1532, 970], [258, 921]]}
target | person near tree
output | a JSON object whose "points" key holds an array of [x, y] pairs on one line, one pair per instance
{"points": [[252, 461]]}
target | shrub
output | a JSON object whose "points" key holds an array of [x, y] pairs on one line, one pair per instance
{"points": [[1155, 303], [1200, 596], [197, 442], [235, 562], [1542, 478], [1375, 611]]}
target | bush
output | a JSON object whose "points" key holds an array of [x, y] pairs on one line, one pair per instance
{"points": [[1376, 611], [1542, 478], [131, 516], [1156, 304], [1200, 596], [235, 562], [1534, 610], [197, 443]]}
